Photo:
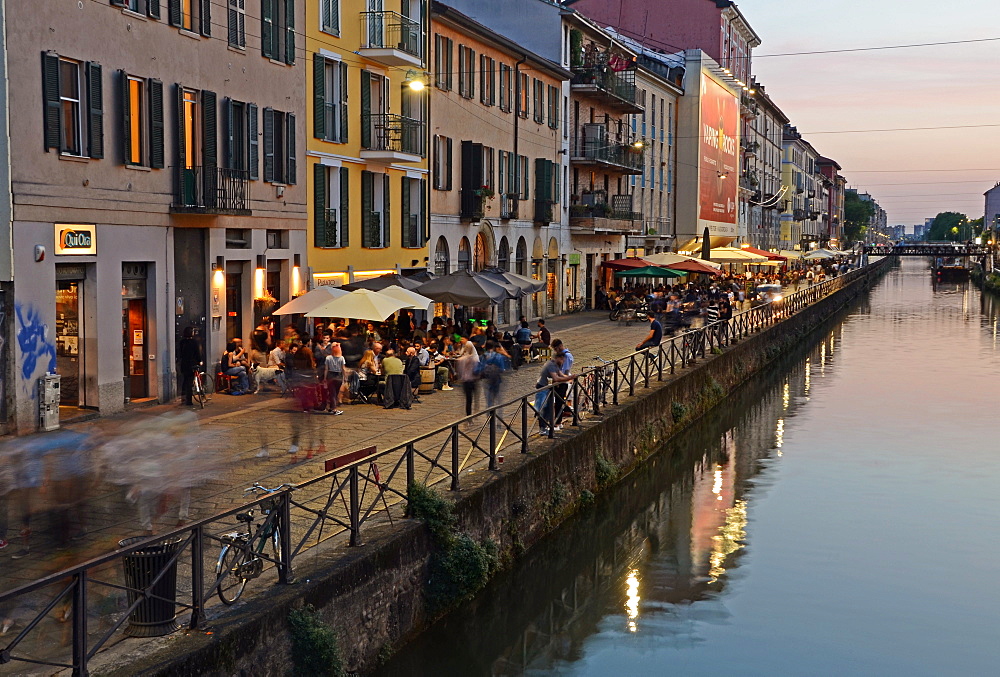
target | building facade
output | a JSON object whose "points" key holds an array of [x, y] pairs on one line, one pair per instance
{"points": [[155, 187], [803, 208], [367, 134], [833, 210], [499, 168], [761, 147]]}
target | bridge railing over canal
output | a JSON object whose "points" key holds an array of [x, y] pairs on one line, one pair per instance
{"points": [[63, 620]]}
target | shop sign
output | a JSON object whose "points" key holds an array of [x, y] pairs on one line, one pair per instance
{"points": [[573, 259], [75, 239]]}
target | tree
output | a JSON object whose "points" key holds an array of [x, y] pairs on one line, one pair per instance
{"points": [[858, 215], [949, 226]]}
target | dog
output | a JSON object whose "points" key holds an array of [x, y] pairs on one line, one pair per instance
{"points": [[262, 375]]}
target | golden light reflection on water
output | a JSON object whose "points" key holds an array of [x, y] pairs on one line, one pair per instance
{"points": [[808, 376], [632, 598], [717, 485], [785, 396], [729, 539], [779, 435]]}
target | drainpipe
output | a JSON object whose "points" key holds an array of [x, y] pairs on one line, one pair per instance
{"points": [[517, 158]]}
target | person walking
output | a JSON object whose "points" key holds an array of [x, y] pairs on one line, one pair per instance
{"points": [[468, 370], [189, 357], [333, 375], [493, 365]]}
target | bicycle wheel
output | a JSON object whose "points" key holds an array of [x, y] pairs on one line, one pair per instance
{"points": [[198, 391], [231, 586], [207, 383], [276, 545]]}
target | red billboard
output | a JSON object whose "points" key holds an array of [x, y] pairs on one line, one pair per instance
{"points": [[719, 177]]}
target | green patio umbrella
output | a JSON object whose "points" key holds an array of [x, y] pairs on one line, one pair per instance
{"points": [[649, 271]]}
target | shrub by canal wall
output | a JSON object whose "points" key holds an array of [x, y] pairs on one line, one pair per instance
{"points": [[377, 597]]}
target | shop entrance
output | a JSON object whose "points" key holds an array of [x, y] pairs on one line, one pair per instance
{"points": [[234, 301], [69, 332], [134, 335]]}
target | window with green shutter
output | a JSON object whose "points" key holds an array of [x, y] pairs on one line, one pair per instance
{"points": [[367, 208], [385, 231], [253, 145], [407, 239], [366, 109], [329, 16], [277, 30], [345, 212], [156, 154]]}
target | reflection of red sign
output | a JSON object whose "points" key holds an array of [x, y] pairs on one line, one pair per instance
{"points": [[719, 172]]}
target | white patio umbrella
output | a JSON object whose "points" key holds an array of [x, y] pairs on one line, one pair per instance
{"points": [[734, 255], [362, 304], [310, 300], [819, 254], [665, 259], [415, 300]]}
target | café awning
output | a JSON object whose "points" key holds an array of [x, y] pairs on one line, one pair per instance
{"points": [[626, 263]]}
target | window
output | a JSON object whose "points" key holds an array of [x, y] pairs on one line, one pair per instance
{"points": [[329, 16], [522, 176], [189, 15], [554, 102], [466, 71], [241, 136], [442, 162], [238, 238], [442, 257], [277, 30], [237, 23], [135, 120], [538, 99], [375, 213], [73, 115], [331, 208], [191, 126], [487, 80], [413, 212], [488, 164], [506, 87], [522, 95], [71, 111], [279, 146], [442, 62], [330, 119], [149, 7]]}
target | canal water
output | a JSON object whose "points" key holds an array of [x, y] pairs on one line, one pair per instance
{"points": [[838, 516]]}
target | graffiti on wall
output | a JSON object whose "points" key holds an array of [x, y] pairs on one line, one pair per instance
{"points": [[38, 350]]}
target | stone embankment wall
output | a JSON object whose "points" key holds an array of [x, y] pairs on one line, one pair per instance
{"points": [[374, 596]]}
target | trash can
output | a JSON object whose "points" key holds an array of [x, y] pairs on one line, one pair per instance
{"points": [[154, 616]]}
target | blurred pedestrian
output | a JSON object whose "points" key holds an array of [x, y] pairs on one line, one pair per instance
{"points": [[467, 367], [189, 356], [493, 364]]}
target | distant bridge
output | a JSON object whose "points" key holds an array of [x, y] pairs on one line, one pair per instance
{"points": [[955, 249]]}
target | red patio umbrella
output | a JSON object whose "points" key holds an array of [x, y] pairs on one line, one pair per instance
{"points": [[770, 255], [694, 267], [627, 264]]}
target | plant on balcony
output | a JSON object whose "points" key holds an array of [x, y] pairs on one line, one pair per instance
{"points": [[602, 209], [579, 210], [486, 193]]}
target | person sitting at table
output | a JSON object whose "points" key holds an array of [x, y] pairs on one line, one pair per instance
{"points": [[231, 366], [544, 338], [440, 363], [478, 338], [368, 367], [391, 364], [412, 370]]}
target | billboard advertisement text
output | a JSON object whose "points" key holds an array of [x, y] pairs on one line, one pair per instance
{"points": [[719, 176]]}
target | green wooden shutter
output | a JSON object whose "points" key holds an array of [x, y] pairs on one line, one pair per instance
{"points": [[50, 93], [234, 25], [289, 31], [319, 97], [252, 143], [448, 168], [181, 152], [210, 130], [367, 202], [366, 105], [343, 102], [153, 8], [95, 110], [290, 149], [344, 218], [227, 112], [266, 27], [422, 235], [384, 236], [543, 179], [156, 155], [126, 117], [174, 12], [404, 209], [206, 17], [320, 236], [269, 144]]}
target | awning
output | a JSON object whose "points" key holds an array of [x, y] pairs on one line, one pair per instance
{"points": [[733, 255], [464, 288], [311, 300], [695, 266], [791, 254], [668, 259], [650, 271], [760, 252], [626, 264], [362, 304], [694, 244]]}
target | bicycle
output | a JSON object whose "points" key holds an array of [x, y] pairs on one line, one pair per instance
{"points": [[198, 392], [601, 380], [242, 556]]}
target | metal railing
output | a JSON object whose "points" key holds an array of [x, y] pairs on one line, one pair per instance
{"points": [[330, 235], [391, 132], [473, 204], [508, 205], [620, 86], [213, 189], [607, 151], [391, 30], [544, 213], [361, 489]]}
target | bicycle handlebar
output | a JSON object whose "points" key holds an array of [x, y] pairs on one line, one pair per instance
{"points": [[258, 487]]}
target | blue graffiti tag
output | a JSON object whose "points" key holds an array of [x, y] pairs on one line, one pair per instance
{"points": [[32, 338]]}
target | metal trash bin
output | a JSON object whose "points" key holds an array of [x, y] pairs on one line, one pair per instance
{"points": [[156, 615]]}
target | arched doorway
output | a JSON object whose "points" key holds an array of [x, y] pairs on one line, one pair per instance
{"points": [[464, 254], [503, 263], [552, 277], [442, 257], [481, 254]]}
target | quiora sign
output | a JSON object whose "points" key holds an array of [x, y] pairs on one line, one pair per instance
{"points": [[75, 239]]}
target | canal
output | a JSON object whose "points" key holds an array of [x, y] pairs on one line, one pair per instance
{"points": [[836, 516]]}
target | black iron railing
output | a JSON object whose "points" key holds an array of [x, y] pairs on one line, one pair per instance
{"points": [[619, 85], [213, 190], [623, 154], [508, 206], [391, 132], [391, 30], [362, 488]]}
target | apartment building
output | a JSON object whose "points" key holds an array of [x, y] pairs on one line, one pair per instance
{"points": [[831, 229], [761, 146], [153, 166], [499, 172], [800, 218], [367, 89]]}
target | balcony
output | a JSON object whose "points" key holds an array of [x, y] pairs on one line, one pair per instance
{"points": [[392, 138], [327, 237], [392, 39], [213, 191], [473, 205], [657, 229], [508, 206], [616, 90], [544, 214], [599, 150], [614, 215]]}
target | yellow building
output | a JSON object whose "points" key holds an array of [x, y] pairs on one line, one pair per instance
{"points": [[367, 138]]}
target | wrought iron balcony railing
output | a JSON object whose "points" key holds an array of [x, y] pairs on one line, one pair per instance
{"points": [[213, 190], [391, 30], [617, 88], [621, 154], [508, 206], [394, 133]]}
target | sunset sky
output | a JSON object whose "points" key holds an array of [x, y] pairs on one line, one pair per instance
{"points": [[887, 89]]}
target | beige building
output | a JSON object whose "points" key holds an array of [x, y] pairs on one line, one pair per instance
{"points": [[497, 197], [154, 165], [761, 146]]}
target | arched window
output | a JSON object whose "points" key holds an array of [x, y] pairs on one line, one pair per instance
{"points": [[464, 254], [442, 259], [480, 257], [503, 255], [521, 257]]}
